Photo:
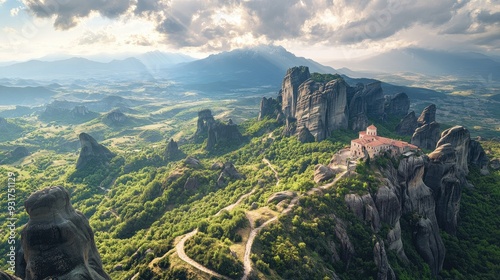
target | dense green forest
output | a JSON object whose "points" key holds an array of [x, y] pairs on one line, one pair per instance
{"points": [[139, 205]]}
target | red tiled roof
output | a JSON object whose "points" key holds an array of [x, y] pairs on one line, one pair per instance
{"points": [[372, 127]]}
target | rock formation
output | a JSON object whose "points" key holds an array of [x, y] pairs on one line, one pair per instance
{"points": [[322, 173], [269, 108], [426, 136], [92, 152], [397, 105], [80, 111], [407, 125], [428, 131], [477, 156], [172, 151], [323, 107], [294, 77], [385, 271], [205, 121], [305, 136], [57, 242], [115, 117], [193, 162], [229, 172], [428, 115]]}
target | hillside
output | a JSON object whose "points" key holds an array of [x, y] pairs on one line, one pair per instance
{"points": [[241, 199]]}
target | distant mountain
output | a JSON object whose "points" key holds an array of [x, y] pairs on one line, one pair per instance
{"points": [[432, 62], [248, 67], [25, 95], [157, 60], [75, 68]]}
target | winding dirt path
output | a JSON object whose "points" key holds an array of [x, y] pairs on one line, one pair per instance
{"points": [[266, 161], [179, 248], [231, 207]]}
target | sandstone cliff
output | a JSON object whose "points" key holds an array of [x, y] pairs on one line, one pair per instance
{"points": [[92, 152], [428, 130], [216, 132], [323, 106], [57, 242]]}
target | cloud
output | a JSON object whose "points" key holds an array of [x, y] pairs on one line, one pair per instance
{"points": [[90, 38], [67, 12], [224, 24], [139, 40], [2, 2], [15, 11]]}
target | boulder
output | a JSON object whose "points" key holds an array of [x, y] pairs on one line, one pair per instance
{"points": [[495, 164], [407, 125], [229, 172], [57, 242], [305, 136], [322, 173], [192, 184], [279, 196], [193, 162], [91, 152]]}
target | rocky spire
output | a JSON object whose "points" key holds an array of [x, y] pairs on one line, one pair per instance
{"points": [[92, 152], [57, 242]]}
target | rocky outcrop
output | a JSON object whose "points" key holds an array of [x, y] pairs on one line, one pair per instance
{"points": [[426, 136], [115, 118], [193, 162], [294, 77], [429, 244], [216, 132], [407, 125], [228, 173], [192, 184], [80, 111], [385, 271], [269, 108], [364, 208], [428, 115], [397, 105], [495, 164], [428, 132], [290, 127], [446, 174], [7, 276], [220, 134], [477, 156], [205, 121], [322, 173], [92, 152], [57, 242], [279, 196], [172, 151], [305, 136], [372, 94]]}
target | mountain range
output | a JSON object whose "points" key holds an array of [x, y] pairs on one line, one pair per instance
{"points": [[431, 62]]}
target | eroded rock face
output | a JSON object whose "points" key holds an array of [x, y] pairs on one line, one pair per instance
{"points": [[397, 105], [426, 136], [428, 115], [364, 208], [57, 242], [385, 271], [294, 77], [477, 156], [228, 173], [407, 125], [223, 134], [322, 173], [172, 151], [205, 121], [92, 152], [305, 136], [269, 107]]}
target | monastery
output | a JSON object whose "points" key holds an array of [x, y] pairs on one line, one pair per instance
{"points": [[373, 144]]}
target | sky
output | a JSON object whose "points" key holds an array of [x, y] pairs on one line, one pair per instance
{"points": [[323, 30]]}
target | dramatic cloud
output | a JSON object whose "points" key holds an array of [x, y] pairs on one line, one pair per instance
{"points": [[67, 12], [15, 11], [221, 25], [139, 40]]}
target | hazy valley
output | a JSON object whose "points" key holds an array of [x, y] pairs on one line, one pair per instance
{"points": [[255, 188]]}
